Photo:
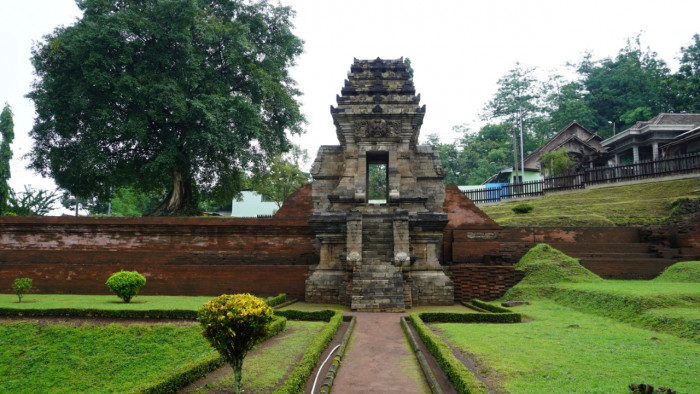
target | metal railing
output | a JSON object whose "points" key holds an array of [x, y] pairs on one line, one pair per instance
{"points": [[606, 174]]}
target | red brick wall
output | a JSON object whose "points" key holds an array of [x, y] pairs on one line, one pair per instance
{"points": [[485, 282], [198, 256]]}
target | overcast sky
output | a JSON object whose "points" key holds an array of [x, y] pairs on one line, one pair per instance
{"points": [[459, 49]]}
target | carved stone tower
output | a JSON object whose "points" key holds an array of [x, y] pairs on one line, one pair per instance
{"points": [[379, 253]]}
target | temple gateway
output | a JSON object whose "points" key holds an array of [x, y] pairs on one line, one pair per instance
{"points": [[379, 253]]}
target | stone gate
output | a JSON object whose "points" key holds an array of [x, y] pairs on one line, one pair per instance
{"points": [[379, 254]]}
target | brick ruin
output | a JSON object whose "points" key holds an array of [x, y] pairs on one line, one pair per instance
{"points": [[425, 243], [378, 256]]}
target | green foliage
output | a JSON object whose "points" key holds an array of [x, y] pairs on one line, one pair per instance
{"points": [[297, 378], [409, 69], [686, 271], [7, 134], [31, 202], [460, 376], [233, 324], [557, 163], [632, 86], [499, 317], [179, 96], [125, 284], [685, 84], [523, 208], [21, 286], [276, 300], [291, 314], [376, 184], [490, 307], [281, 177]]}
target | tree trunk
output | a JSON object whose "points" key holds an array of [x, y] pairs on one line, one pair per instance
{"points": [[237, 366], [180, 200]]}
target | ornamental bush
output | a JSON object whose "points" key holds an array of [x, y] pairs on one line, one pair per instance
{"points": [[126, 284], [21, 286], [523, 208], [233, 324]]}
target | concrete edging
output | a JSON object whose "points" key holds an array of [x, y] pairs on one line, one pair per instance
{"points": [[337, 358], [427, 372]]}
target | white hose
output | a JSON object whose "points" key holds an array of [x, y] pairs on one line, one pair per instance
{"points": [[313, 388]]}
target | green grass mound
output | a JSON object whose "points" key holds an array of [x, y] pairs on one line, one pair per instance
{"points": [[543, 265], [686, 272]]}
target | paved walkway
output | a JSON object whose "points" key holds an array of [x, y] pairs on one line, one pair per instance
{"points": [[379, 358]]}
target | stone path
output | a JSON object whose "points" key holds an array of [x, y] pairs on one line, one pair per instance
{"points": [[379, 358]]}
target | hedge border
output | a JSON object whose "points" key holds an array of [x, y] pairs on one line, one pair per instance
{"points": [[422, 361], [490, 307], [108, 313], [300, 375], [198, 370], [175, 314], [460, 376], [430, 317]]}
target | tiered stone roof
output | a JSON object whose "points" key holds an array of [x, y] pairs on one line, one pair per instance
{"points": [[378, 89]]}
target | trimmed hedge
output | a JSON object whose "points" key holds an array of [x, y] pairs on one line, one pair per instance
{"points": [[276, 300], [297, 379], [462, 378], [109, 313], [291, 314], [430, 317], [129, 314], [490, 307], [196, 371]]}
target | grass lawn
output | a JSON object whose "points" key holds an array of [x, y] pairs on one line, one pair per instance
{"points": [[91, 358], [52, 301], [562, 350], [264, 370], [638, 204]]}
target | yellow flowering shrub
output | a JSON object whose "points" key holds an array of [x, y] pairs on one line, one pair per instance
{"points": [[233, 324]]}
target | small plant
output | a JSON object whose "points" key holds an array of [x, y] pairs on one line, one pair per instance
{"points": [[523, 208], [126, 284], [233, 324], [21, 286]]}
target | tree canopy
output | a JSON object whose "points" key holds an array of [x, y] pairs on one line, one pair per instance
{"points": [[7, 134], [608, 94], [175, 96]]}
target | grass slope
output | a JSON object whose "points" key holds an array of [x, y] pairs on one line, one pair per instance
{"points": [[565, 351], [670, 303], [91, 358], [686, 271], [639, 204]]}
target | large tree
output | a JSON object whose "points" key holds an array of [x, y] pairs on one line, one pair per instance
{"points": [[181, 96], [7, 134], [629, 88], [686, 82], [517, 103]]}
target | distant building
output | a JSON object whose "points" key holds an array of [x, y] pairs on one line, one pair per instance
{"points": [[509, 176], [584, 147], [645, 140], [251, 204]]}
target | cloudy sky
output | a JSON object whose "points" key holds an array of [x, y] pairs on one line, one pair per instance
{"points": [[458, 49]]}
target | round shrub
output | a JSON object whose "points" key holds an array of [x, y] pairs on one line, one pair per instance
{"points": [[126, 284], [233, 324], [21, 286], [523, 208]]}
